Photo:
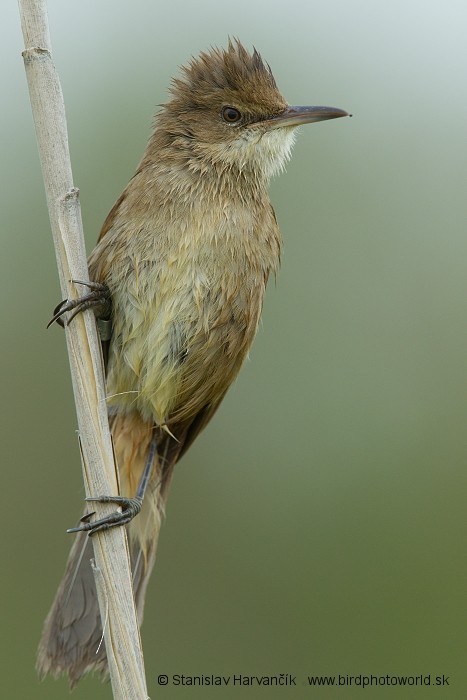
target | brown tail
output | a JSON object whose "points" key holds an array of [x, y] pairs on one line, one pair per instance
{"points": [[71, 641]]}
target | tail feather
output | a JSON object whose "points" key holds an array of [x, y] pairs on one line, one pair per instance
{"points": [[71, 641], [72, 630]]}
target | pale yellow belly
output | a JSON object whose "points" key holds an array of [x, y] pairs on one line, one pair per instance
{"points": [[179, 338]]}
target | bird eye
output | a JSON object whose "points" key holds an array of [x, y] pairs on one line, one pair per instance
{"points": [[231, 115]]}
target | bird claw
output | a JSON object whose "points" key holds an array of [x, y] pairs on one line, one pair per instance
{"points": [[130, 507], [97, 299], [87, 516]]}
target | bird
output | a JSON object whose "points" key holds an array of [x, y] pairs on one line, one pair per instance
{"points": [[178, 276]]}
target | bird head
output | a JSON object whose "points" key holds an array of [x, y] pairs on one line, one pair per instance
{"points": [[226, 110]]}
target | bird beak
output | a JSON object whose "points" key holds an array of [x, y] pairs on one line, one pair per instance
{"points": [[294, 116]]}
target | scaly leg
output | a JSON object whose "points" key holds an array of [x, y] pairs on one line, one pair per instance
{"points": [[130, 506]]}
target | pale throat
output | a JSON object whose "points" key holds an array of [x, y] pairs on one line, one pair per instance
{"points": [[263, 152]]}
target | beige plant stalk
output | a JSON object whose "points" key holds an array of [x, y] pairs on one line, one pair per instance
{"points": [[111, 567]]}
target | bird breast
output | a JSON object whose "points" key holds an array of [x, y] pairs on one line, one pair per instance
{"points": [[184, 316]]}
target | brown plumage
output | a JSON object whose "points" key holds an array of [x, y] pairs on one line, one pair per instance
{"points": [[186, 253]]}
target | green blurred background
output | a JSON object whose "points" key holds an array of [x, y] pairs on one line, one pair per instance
{"points": [[317, 526]]}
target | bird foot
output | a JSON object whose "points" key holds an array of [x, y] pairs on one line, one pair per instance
{"points": [[130, 507], [97, 299]]}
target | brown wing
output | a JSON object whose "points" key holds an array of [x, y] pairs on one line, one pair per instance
{"points": [[186, 434], [198, 424], [108, 223], [94, 266]]}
